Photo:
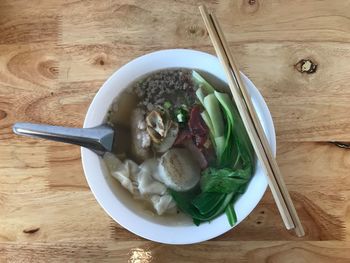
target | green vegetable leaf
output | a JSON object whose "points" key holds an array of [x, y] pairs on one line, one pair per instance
{"points": [[197, 222], [206, 203], [200, 95], [202, 83], [220, 144], [184, 199], [167, 105], [207, 120], [231, 214], [211, 105], [224, 180], [219, 209]]}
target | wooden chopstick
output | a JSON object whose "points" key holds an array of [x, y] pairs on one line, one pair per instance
{"points": [[277, 173], [288, 221], [253, 126]]}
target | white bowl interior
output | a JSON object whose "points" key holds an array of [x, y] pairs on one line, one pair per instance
{"points": [[117, 202]]}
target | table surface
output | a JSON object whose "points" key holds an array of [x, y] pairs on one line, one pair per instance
{"points": [[54, 56]]}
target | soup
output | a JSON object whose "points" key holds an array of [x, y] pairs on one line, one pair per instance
{"points": [[181, 146]]}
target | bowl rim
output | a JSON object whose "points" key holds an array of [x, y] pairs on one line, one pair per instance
{"points": [[92, 163]]}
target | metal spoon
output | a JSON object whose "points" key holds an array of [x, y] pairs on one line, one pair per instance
{"points": [[99, 139]]}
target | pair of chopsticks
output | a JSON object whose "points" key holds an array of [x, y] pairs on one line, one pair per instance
{"points": [[252, 124]]}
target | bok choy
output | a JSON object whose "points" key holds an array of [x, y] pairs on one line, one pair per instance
{"points": [[221, 184]]}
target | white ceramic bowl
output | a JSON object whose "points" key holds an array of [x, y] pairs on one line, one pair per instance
{"points": [[119, 204]]}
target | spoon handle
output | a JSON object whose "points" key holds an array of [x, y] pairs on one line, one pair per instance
{"points": [[99, 139]]}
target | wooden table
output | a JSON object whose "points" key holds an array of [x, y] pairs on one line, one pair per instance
{"points": [[54, 56]]}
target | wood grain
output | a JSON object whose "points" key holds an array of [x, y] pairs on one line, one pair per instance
{"points": [[54, 56], [143, 251]]}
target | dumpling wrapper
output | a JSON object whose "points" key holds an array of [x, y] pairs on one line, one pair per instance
{"points": [[122, 171], [147, 178], [147, 185], [141, 181], [162, 203]]}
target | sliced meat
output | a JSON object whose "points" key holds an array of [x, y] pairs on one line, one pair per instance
{"points": [[183, 136], [197, 127]]}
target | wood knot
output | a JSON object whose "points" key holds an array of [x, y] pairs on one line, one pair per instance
{"points": [[260, 220], [250, 6], [196, 31], [192, 30], [3, 114], [101, 59], [31, 230], [306, 66], [48, 69], [260, 217]]}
